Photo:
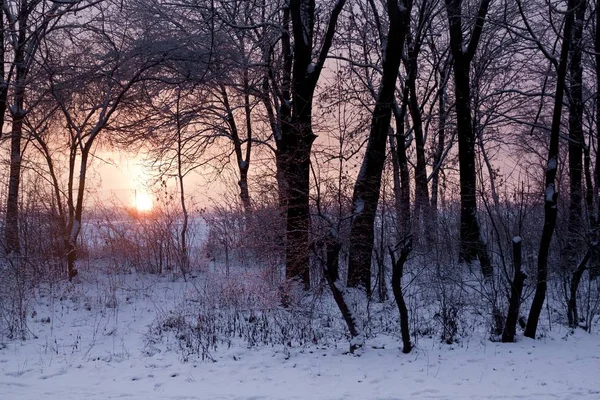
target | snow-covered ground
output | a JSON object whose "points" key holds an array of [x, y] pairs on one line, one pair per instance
{"points": [[91, 345]]}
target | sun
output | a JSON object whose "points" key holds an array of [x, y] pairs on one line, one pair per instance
{"points": [[143, 202]]}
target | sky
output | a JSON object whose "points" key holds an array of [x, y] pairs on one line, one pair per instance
{"points": [[121, 177]]}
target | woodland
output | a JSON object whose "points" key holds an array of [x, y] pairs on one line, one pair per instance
{"points": [[409, 168]]}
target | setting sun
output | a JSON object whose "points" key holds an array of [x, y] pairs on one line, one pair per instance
{"points": [[143, 201]]}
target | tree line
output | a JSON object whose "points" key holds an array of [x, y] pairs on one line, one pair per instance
{"points": [[489, 105]]}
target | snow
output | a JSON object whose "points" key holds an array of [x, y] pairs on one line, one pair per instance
{"points": [[550, 193], [357, 341], [75, 231], [88, 351], [359, 206], [408, 140]]}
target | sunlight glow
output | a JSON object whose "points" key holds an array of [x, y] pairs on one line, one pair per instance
{"points": [[143, 201]]}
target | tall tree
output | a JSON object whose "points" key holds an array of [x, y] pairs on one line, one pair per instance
{"points": [[3, 78], [175, 146], [576, 142], [576, 145], [29, 21], [595, 260], [368, 183], [414, 41], [551, 194], [295, 144], [441, 149], [471, 243]]}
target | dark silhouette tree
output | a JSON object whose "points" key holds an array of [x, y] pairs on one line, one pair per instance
{"points": [[28, 23], [551, 194], [368, 183], [297, 136], [471, 243]]}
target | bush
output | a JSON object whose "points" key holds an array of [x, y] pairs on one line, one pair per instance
{"points": [[16, 293], [242, 309]]}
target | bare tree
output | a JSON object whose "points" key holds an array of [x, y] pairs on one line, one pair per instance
{"points": [[368, 183], [29, 21], [550, 195], [471, 243], [297, 134], [595, 259], [92, 77], [573, 247], [441, 148], [174, 145], [414, 42]]}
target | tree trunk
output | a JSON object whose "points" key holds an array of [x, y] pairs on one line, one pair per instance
{"points": [[3, 78], [243, 164], [516, 291], [75, 223], [397, 272], [401, 178], [441, 142], [296, 160], [551, 195], [331, 273], [421, 214], [572, 312], [471, 245], [574, 241], [275, 124], [368, 183], [185, 261], [13, 244], [595, 260]]}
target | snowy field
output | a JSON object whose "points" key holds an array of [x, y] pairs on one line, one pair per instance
{"points": [[91, 344]]}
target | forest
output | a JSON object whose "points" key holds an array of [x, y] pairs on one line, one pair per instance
{"points": [[363, 175]]}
